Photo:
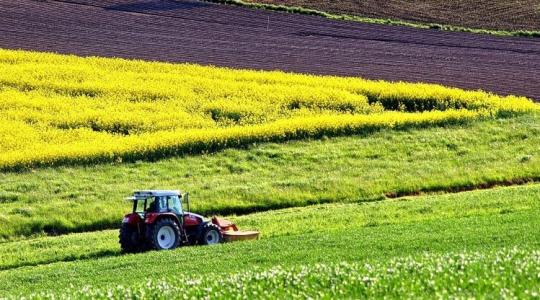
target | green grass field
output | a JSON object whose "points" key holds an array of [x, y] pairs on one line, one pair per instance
{"points": [[478, 223], [269, 176]]}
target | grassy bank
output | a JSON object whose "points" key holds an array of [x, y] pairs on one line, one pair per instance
{"points": [[269, 176], [482, 221]]}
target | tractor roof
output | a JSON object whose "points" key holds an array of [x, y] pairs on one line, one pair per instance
{"points": [[153, 193]]}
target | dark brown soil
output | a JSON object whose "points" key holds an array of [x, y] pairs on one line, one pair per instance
{"points": [[205, 33], [488, 14]]}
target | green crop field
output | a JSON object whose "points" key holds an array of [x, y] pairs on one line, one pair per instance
{"points": [[476, 227], [427, 276]]}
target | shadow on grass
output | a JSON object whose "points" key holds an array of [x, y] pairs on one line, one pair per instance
{"points": [[68, 258], [465, 187]]}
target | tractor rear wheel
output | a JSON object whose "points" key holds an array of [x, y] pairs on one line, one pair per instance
{"points": [[210, 235], [163, 235], [130, 241]]}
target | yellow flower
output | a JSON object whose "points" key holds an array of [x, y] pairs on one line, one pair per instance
{"points": [[58, 109]]}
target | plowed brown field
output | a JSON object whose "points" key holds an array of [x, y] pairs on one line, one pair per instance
{"points": [[205, 33], [488, 14]]}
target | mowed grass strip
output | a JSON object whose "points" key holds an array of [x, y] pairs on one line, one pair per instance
{"points": [[325, 218], [270, 176], [477, 221]]}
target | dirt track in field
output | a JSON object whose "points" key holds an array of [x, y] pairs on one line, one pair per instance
{"points": [[200, 32]]}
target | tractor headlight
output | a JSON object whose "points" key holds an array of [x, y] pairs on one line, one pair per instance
{"points": [[125, 220]]}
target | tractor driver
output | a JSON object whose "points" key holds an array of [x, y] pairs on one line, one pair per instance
{"points": [[152, 206]]}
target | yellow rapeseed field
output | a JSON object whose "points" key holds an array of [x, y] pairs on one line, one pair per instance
{"points": [[58, 109]]}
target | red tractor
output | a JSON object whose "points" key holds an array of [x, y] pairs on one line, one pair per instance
{"points": [[158, 221]]}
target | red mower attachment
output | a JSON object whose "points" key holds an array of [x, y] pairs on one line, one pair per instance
{"points": [[231, 233]]}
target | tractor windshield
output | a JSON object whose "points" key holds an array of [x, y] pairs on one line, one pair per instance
{"points": [[174, 205]]}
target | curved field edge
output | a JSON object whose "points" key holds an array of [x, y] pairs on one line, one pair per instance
{"points": [[505, 274], [327, 218], [170, 144], [71, 110], [380, 21], [480, 221], [269, 176]]}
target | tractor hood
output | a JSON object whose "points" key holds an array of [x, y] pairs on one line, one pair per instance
{"points": [[193, 216], [191, 219], [132, 218]]}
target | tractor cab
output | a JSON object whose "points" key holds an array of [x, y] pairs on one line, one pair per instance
{"points": [[148, 202]]}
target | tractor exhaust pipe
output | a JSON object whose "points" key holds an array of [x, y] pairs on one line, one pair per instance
{"points": [[186, 197]]}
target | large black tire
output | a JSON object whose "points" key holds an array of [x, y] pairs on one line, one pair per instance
{"points": [[210, 235], [130, 240], [163, 235]]}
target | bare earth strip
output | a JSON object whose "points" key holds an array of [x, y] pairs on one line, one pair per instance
{"points": [[205, 33]]}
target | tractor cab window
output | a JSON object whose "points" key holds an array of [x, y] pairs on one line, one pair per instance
{"points": [[139, 206], [162, 202], [173, 203]]}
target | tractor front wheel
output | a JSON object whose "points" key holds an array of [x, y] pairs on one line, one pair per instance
{"points": [[130, 241], [164, 235], [210, 235]]}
